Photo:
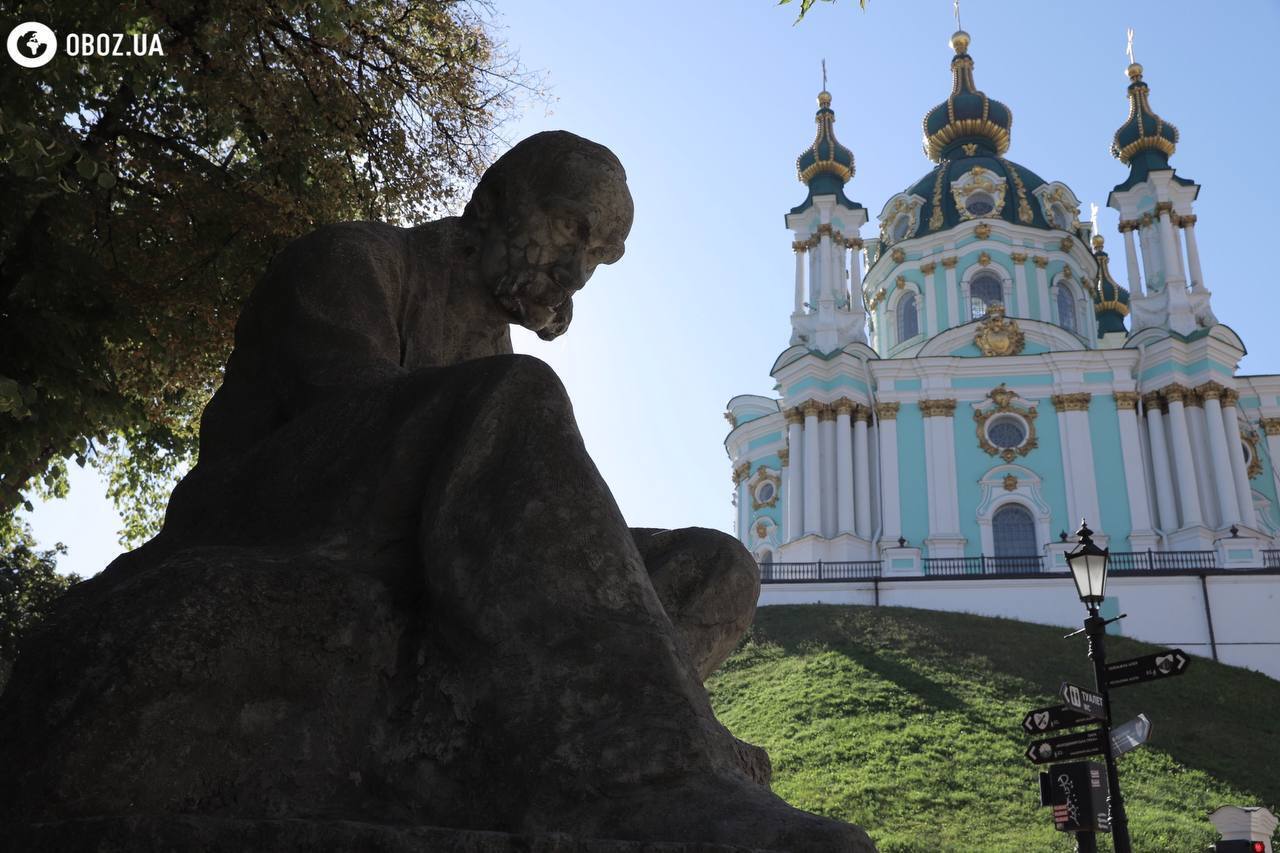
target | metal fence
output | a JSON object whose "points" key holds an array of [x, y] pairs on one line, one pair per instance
{"points": [[947, 566], [819, 571], [1151, 561]]}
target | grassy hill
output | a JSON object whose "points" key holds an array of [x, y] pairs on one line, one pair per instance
{"points": [[908, 722]]}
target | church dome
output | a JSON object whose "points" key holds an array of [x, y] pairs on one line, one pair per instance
{"points": [[1144, 134], [826, 165], [967, 120], [1110, 300]]}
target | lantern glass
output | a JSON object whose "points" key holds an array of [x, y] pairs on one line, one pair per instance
{"points": [[1088, 565]]}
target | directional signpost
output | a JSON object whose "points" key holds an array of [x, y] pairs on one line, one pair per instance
{"points": [[1053, 718], [1072, 745], [1165, 664], [1082, 700]]}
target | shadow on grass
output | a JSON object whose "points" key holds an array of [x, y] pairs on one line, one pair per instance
{"points": [[1215, 718]]}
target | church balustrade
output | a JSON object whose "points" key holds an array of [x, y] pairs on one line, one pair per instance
{"points": [[983, 565], [819, 571], [1153, 561]]}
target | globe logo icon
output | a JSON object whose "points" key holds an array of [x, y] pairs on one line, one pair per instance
{"points": [[31, 44]]}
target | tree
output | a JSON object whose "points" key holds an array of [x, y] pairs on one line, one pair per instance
{"points": [[806, 5], [29, 586], [144, 194]]}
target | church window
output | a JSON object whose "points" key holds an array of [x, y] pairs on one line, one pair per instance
{"points": [[900, 226], [1007, 432], [984, 291], [1066, 309], [908, 318], [765, 492], [979, 204], [1014, 532], [766, 557]]}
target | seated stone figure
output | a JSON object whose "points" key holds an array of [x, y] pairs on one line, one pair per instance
{"points": [[395, 606]]}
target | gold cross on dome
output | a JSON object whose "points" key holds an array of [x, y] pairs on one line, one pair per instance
{"points": [[824, 75], [956, 7], [1128, 48]]}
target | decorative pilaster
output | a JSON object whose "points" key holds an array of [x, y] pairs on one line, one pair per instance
{"points": [[1244, 492], [1077, 454], [1042, 288], [1184, 466], [1141, 535], [1219, 452], [1210, 506], [890, 492], [799, 247], [956, 313], [795, 474], [812, 469], [862, 473], [827, 439], [944, 538], [1152, 263], [844, 466], [743, 521], [1023, 308], [1160, 463]]}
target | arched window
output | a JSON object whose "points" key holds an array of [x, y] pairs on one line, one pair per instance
{"points": [[984, 291], [908, 318], [1014, 532], [1066, 309]]}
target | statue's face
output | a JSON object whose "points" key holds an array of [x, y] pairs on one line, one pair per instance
{"points": [[553, 244]]}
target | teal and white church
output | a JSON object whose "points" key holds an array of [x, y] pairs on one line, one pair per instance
{"points": [[968, 382]]}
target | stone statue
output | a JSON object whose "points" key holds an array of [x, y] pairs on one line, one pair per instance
{"points": [[395, 606]]}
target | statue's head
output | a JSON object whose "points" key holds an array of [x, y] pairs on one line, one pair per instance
{"points": [[547, 213]]}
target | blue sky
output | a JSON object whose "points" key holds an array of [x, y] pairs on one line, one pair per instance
{"points": [[708, 104]]}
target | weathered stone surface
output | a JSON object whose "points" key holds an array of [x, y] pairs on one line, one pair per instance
{"points": [[395, 598]]}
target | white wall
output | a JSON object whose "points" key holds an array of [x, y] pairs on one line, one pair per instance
{"points": [[1166, 610]]}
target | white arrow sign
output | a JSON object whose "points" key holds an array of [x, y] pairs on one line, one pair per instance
{"points": [[1130, 735]]}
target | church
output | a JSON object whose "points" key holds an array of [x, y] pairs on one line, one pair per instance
{"points": [[967, 382]]}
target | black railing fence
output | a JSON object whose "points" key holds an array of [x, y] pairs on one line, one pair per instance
{"points": [[1151, 561], [819, 571], [950, 567], [1029, 565]]}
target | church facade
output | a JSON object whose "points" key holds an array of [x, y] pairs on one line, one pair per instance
{"points": [[964, 386]]}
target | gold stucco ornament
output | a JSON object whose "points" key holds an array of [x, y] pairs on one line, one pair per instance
{"points": [[997, 335]]}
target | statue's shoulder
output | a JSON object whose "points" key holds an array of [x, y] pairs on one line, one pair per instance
{"points": [[345, 238]]}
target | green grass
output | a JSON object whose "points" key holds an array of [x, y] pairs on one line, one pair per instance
{"points": [[908, 722]]}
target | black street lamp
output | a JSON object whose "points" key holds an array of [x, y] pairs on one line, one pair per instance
{"points": [[1088, 564]]}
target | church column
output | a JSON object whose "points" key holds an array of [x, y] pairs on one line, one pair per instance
{"points": [[1188, 225], [1131, 257], [929, 304], [1152, 264], [1077, 455], [1235, 451], [1042, 289], [827, 456], [844, 466], [855, 271], [743, 521], [1271, 427], [1184, 466], [1134, 476], [862, 480], [1160, 462], [799, 248], [944, 538], [1174, 274], [1020, 284], [815, 280], [955, 311], [795, 474], [827, 295], [891, 500], [812, 469], [1219, 450], [1210, 507]]}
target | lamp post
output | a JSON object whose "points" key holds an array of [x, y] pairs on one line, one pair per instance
{"points": [[1088, 564]]}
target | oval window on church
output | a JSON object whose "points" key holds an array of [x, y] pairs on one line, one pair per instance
{"points": [[1007, 432], [900, 226], [979, 204], [765, 492]]}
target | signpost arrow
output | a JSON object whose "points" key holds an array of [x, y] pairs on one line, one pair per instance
{"points": [[1130, 735], [1053, 718], [1165, 664], [1073, 745], [1082, 700]]}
